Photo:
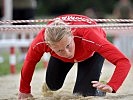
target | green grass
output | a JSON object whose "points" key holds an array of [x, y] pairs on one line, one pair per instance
{"points": [[5, 66]]}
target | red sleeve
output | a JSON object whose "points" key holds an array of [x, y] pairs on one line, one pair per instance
{"points": [[33, 57], [111, 53]]}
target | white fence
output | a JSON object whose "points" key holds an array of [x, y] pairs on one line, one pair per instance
{"points": [[123, 40], [11, 41]]}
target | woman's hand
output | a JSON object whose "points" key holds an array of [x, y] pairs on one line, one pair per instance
{"points": [[102, 87], [24, 96]]}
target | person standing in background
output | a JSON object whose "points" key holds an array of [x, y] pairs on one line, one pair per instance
{"points": [[90, 12], [24, 10], [0, 9], [123, 10], [1, 15]]}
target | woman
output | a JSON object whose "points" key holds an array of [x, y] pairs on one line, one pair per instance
{"points": [[86, 46]]}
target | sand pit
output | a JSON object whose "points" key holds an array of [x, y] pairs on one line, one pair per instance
{"points": [[9, 86]]}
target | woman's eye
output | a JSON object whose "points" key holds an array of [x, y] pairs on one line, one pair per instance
{"points": [[68, 46], [59, 51]]}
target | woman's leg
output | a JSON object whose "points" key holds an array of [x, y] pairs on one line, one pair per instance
{"points": [[56, 73], [88, 70]]}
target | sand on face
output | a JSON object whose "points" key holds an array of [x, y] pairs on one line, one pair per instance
{"points": [[9, 86]]}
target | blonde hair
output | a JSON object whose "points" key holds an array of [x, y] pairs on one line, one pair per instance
{"points": [[55, 34]]}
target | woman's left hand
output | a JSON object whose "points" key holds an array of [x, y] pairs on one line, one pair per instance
{"points": [[102, 87]]}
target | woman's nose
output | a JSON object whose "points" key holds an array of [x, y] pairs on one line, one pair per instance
{"points": [[67, 52]]}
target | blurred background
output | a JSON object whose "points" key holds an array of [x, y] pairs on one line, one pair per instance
{"points": [[102, 8], [13, 54]]}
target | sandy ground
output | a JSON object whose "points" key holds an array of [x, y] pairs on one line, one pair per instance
{"points": [[9, 86]]}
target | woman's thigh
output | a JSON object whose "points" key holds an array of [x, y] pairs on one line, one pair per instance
{"points": [[56, 73], [88, 70]]}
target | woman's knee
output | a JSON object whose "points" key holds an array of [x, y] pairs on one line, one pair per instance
{"points": [[53, 85]]}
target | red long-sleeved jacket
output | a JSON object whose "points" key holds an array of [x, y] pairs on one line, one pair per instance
{"points": [[87, 41]]}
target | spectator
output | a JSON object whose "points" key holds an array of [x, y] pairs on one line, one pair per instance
{"points": [[23, 10], [123, 10], [90, 13], [1, 15], [1, 9]]}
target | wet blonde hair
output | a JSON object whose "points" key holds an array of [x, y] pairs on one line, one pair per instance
{"points": [[55, 34]]}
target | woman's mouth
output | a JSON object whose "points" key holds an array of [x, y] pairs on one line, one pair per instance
{"points": [[70, 57]]}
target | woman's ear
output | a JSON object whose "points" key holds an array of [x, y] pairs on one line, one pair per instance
{"points": [[47, 43]]}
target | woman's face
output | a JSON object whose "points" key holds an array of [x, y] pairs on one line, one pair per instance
{"points": [[65, 47]]}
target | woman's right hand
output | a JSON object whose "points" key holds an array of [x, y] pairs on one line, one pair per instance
{"points": [[24, 96]]}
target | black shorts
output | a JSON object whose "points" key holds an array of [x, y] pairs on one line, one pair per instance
{"points": [[88, 70]]}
